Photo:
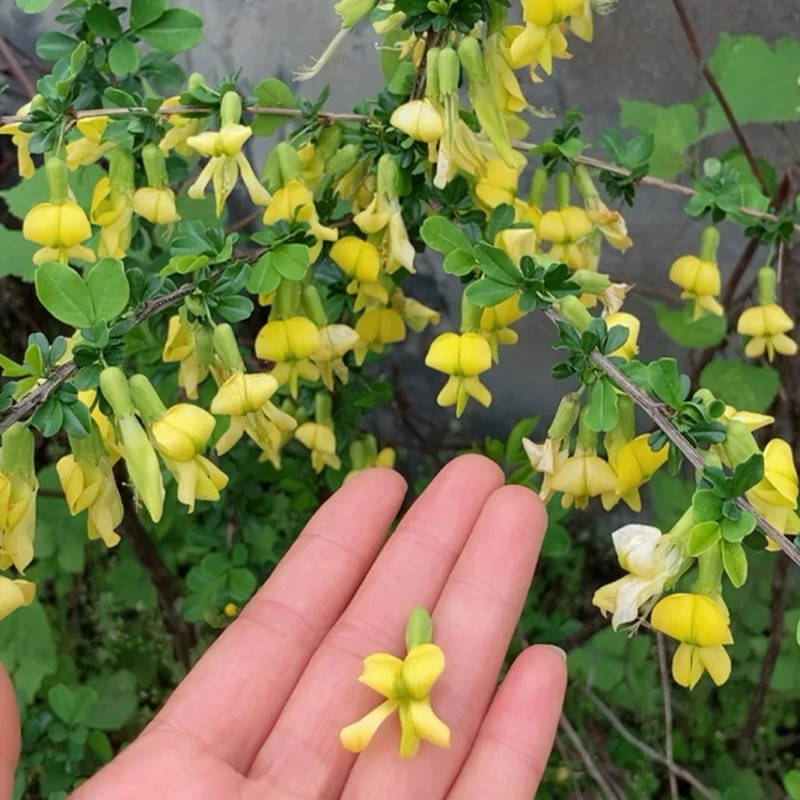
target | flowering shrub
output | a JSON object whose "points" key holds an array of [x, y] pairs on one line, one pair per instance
{"points": [[345, 204]]}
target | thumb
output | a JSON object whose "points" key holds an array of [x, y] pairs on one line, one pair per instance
{"points": [[9, 735]]}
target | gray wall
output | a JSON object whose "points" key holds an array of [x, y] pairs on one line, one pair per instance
{"points": [[639, 53]]}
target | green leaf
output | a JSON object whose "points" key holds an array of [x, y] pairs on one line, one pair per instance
{"points": [[71, 706], [734, 559], [235, 308], [76, 419], [123, 57], [666, 381], [103, 21], [108, 288], [48, 417], [144, 12], [459, 262], [33, 6], [264, 278], [735, 531], [747, 386], [291, 261], [485, 292], [53, 45], [603, 413], [27, 647], [515, 452], [444, 236], [747, 474], [497, 265], [703, 536], [674, 128], [175, 31], [64, 294], [760, 83], [17, 253], [679, 325], [241, 584], [117, 700], [791, 780], [706, 505], [275, 94]]}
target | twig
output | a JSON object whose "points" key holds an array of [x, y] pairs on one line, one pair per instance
{"points": [[586, 758], [666, 693], [164, 582], [565, 757], [15, 68], [694, 45], [651, 752], [654, 411], [777, 607]]}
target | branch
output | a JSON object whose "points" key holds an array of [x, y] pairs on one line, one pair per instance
{"points": [[586, 758], [666, 692], [15, 69], [691, 38], [655, 412], [651, 752]]}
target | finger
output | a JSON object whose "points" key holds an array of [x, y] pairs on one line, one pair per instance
{"points": [[232, 698], [516, 737], [473, 623], [303, 756], [9, 735]]}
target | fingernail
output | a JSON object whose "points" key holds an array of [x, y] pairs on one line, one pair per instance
{"points": [[562, 653]]}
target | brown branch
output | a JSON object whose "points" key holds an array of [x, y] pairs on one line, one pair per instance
{"points": [[164, 582], [15, 69], [651, 752], [587, 759], [777, 607], [666, 693], [691, 38]]}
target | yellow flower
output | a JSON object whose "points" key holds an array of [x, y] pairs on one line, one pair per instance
{"points": [[226, 163], [634, 464], [181, 346], [610, 223], [104, 425], [14, 593], [565, 225], [295, 203], [17, 519], [182, 129], [750, 419], [415, 314], [321, 441], [507, 93], [779, 486], [650, 559], [361, 261], [183, 432], [21, 140], [245, 398], [630, 347], [290, 343], [60, 227], [112, 210], [546, 458], [90, 485], [499, 185], [700, 281], [335, 342], [364, 455], [406, 685], [419, 120], [156, 204], [581, 476], [376, 328], [767, 325], [701, 626], [517, 242], [198, 479], [495, 321], [88, 148], [463, 357]]}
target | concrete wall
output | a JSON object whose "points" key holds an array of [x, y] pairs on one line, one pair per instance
{"points": [[639, 53]]}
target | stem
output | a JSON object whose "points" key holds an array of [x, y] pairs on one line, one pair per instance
{"points": [[691, 38], [666, 692], [14, 67], [587, 759]]}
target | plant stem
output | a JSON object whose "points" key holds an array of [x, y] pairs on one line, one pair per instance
{"points": [[666, 693]]}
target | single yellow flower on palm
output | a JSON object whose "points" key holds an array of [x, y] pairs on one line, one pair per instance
{"points": [[88, 148], [290, 343], [463, 357], [14, 594], [376, 328], [406, 684], [21, 140], [701, 626]]}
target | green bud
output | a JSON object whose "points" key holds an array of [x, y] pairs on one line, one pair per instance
{"points": [[584, 182], [155, 165], [574, 312], [709, 572], [329, 141], [449, 71], [146, 399], [121, 168], [387, 175], [470, 315], [17, 451], [227, 348], [312, 305], [204, 345], [323, 408], [432, 86], [739, 443], [590, 281], [358, 454], [539, 186], [88, 448], [709, 244], [288, 163], [565, 417], [287, 300], [767, 284], [343, 160], [353, 11], [587, 438], [470, 55], [197, 81], [57, 179], [230, 109], [116, 391], [563, 189], [419, 629]]}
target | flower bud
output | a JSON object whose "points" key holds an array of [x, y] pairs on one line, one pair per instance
{"points": [[449, 71], [419, 629], [230, 108], [767, 282], [470, 55], [353, 11], [57, 179], [419, 120], [574, 312], [565, 417]]}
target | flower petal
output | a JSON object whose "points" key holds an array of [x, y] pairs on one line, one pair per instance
{"points": [[357, 736], [421, 668]]}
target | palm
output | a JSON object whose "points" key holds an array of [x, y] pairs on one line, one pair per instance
{"points": [[260, 714]]}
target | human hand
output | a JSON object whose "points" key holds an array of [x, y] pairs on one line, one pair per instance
{"points": [[260, 714]]}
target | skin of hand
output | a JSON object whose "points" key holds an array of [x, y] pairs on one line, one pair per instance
{"points": [[260, 714]]}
